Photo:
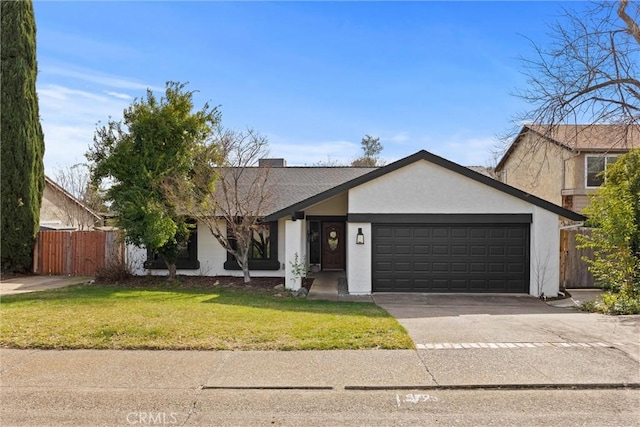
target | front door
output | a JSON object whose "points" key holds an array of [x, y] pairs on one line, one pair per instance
{"points": [[333, 246]]}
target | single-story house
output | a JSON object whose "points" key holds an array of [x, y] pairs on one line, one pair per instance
{"points": [[60, 210], [420, 224]]}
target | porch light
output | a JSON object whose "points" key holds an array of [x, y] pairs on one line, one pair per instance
{"points": [[360, 237]]}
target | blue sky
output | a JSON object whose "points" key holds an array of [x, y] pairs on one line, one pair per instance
{"points": [[314, 77]]}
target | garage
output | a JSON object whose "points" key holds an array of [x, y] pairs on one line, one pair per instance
{"points": [[425, 224], [450, 258]]}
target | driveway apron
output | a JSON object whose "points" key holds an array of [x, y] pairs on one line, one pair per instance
{"points": [[497, 339]]}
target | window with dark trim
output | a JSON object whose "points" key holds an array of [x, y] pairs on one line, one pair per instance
{"points": [[263, 254], [187, 257]]}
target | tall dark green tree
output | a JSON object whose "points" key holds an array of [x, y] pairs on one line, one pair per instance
{"points": [[22, 173], [156, 141]]}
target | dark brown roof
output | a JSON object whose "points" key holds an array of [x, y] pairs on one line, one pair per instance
{"points": [[591, 137]]}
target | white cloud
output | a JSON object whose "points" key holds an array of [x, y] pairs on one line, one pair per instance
{"points": [[399, 138], [93, 76], [118, 95], [62, 93], [69, 117]]}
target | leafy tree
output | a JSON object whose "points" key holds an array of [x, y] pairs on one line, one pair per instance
{"points": [[229, 193], [615, 239], [157, 139], [21, 135], [371, 149]]}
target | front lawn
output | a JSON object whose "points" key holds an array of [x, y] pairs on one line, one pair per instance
{"points": [[176, 316]]}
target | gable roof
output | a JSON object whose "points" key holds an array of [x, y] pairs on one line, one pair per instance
{"points": [[65, 193], [581, 138], [285, 186], [432, 158], [301, 183]]}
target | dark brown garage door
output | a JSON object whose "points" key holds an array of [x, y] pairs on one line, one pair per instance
{"points": [[451, 258]]}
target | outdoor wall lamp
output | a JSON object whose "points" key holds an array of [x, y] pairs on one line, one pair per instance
{"points": [[359, 237]]}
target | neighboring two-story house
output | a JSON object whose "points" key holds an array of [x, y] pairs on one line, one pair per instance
{"points": [[563, 164]]}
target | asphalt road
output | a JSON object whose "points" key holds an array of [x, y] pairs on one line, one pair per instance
{"points": [[141, 407]]}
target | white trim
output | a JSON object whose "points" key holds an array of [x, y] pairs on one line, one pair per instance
{"points": [[604, 156]]}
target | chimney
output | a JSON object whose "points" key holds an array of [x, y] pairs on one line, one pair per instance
{"points": [[272, 163]]}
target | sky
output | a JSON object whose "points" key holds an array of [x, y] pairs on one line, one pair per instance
{"points": [[314, 77]]}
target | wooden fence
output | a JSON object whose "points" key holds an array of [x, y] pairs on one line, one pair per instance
{"points": [[573, 270], [76, 253]]}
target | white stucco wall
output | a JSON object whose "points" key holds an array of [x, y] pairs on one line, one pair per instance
{"points": [[426, 188], [545, 255], [295, 251], [212, 257], [359, 259]]}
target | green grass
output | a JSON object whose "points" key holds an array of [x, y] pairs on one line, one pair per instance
{"points": [[165, 316]]}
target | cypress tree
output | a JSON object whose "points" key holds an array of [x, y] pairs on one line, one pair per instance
{"points": [[21, 138]]}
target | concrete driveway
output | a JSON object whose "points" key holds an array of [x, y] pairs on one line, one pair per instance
{"points": [[458, 336], [24, 284]]}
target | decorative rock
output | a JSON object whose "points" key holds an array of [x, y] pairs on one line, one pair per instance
{"points": [[300, 293], [279, 287]]}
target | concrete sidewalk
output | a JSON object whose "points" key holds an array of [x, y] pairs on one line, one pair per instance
{"points": [[24, 284], [594, 367]]}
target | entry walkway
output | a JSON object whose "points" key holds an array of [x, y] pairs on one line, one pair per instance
{"points": [[326, 286]]}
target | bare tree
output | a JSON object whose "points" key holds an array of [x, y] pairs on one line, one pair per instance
{"points": [[229, 193], [588, 74], [329, 163], [82, 200]]}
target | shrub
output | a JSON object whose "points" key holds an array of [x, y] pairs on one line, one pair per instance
{"points": [[114, 272], [613, 303]]}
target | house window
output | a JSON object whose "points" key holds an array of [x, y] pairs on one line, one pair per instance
{"points": [[595, 166], [263, 254], [187, 255]]}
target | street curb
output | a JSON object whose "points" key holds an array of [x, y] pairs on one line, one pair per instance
{"points": [[213, 387], [461, 387], [594, 386]]}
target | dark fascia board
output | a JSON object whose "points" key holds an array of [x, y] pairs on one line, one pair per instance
{"points": [[432, 158], [332, 218]]}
